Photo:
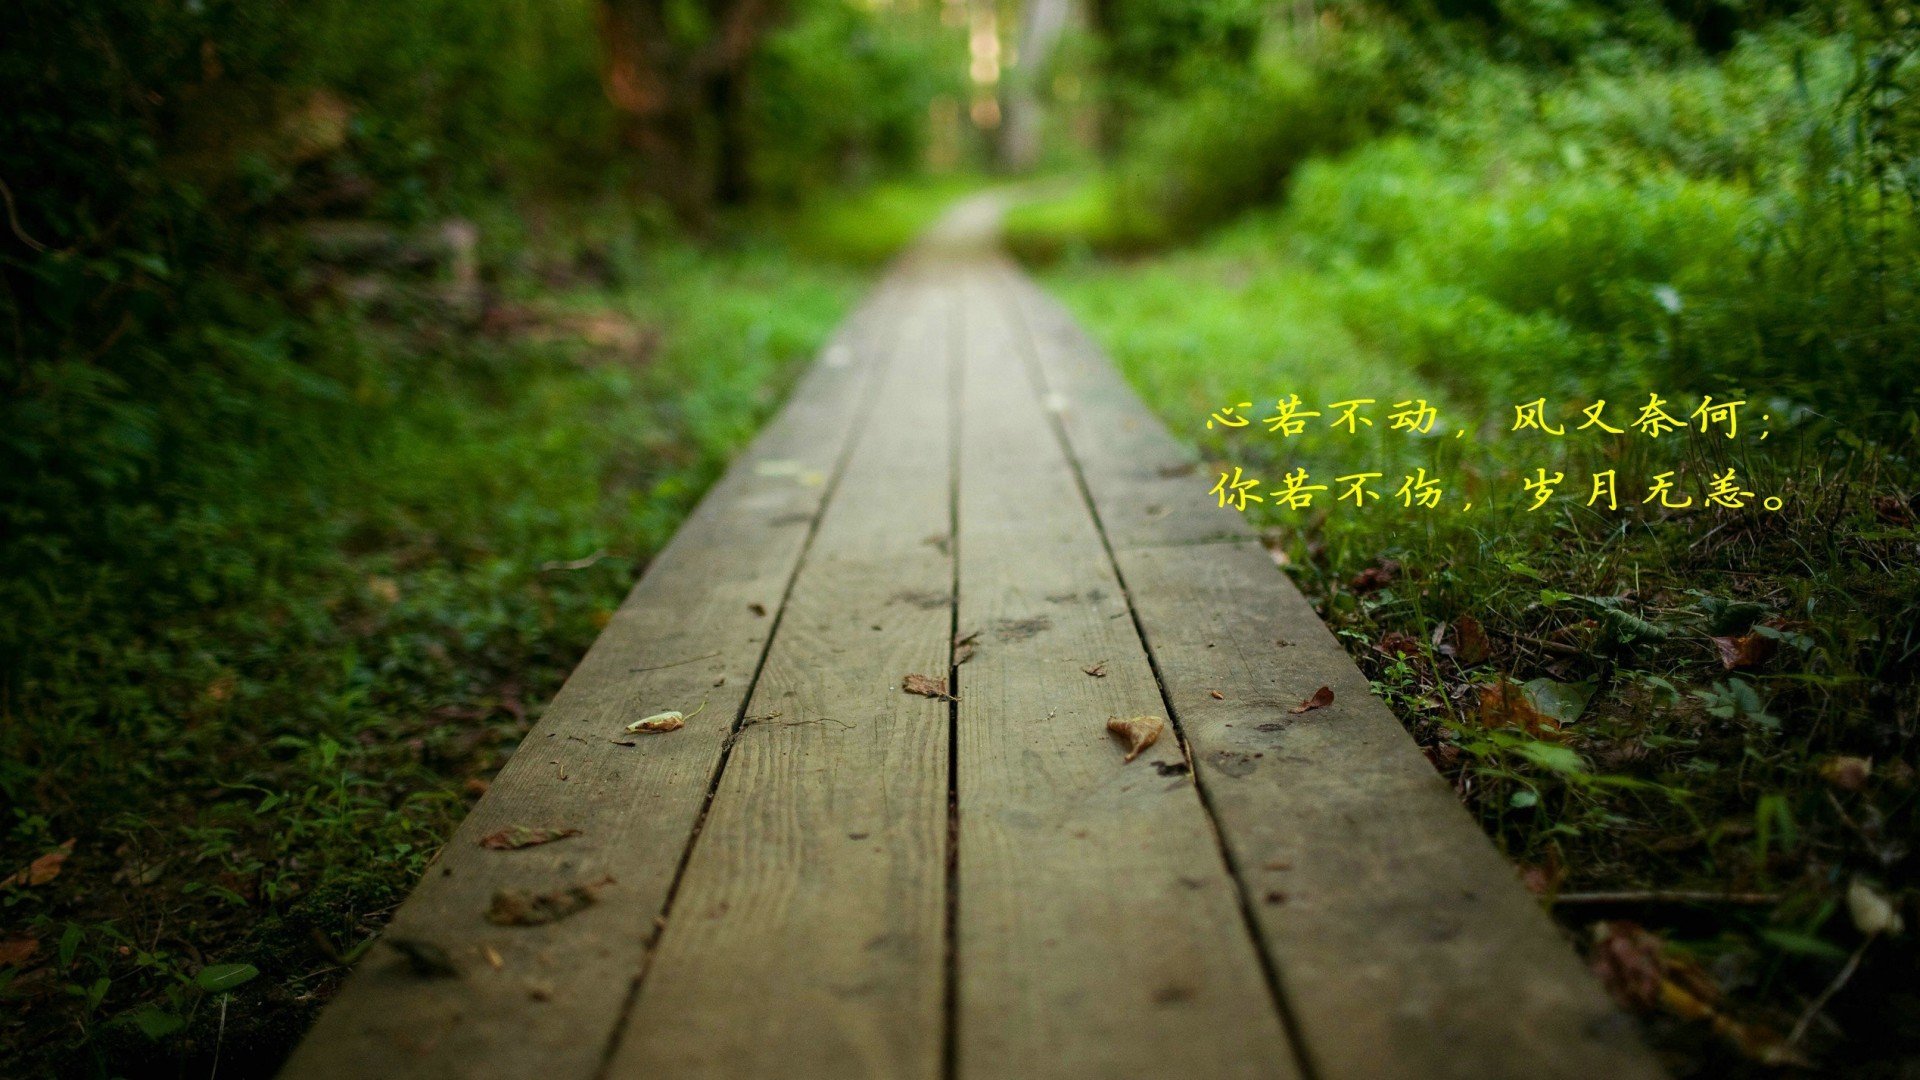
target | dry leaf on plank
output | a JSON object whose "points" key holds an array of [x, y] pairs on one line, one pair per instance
{"points": [[1139, 732], [926, 686], [522, 907], [1321, 698], [424, 958], [660, 723], [515, 837]]}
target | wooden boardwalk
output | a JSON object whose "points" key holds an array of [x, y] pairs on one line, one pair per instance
{"points": [[822, 876]]}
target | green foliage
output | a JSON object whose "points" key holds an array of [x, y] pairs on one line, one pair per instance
{"points": [[260, 705], [1234, 140], [1575, 201], [841, 95], [866, 227]]}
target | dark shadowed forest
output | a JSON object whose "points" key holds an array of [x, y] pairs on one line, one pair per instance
{"points": [[357, 358]]}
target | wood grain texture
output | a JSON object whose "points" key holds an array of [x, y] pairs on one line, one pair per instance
{"points": [[551, 1004], [1099, 934], [1404, 943], [789, 894], [808, 937]]}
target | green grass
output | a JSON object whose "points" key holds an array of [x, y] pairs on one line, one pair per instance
{"points": [[1081, 216], [867, 227], [1679, 772], [256, 739]]}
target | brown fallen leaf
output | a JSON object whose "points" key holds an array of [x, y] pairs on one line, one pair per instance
{"points": [[1375, 577], [1397, 643], [1139, 732], [1626, 959], [926, 686], [1636, 967], [515, 837], [1098, 671], [1469, 640], [16, 951], [1321, 698], [1847, 773], [1506, 704], [1744, 651], [523, 907], [1216, 695], [41, 870]]}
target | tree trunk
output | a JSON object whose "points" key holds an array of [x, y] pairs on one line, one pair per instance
{"points": [[1042, 22], [683, 101]]}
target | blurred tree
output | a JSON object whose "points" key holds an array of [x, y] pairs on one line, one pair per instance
{"points": [[1042, 23], [677, 71]]}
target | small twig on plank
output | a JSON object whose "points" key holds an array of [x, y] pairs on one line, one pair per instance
{"points": [[676, 663], [844, 726], [1662, 896]]}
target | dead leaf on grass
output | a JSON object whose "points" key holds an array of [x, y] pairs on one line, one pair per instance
{"points": [[515, 837], [1397, 643], [926, 686], [1872, 913], [1466, 640], [41, 870], [1139, 732], [16, 951], [1321, 698], [1744, 651], [523, 907], [1375, 577], [1098, 671], [1847, 773], [1638, 970], [1539, 707]]}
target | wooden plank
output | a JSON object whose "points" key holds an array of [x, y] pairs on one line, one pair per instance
{"points": [[808, 938], [545, 1000], [1099, 933], [1405, 946]]}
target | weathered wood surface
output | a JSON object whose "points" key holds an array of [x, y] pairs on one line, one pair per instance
{"points": [[1403, 943], [808, 935], [823, 876], [1099, 931]]}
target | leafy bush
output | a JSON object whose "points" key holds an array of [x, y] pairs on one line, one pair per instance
{"points": [[1232, 142]]}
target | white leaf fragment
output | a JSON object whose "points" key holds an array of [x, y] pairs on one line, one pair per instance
{"points": [[1872, 912], [671, 720]]}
